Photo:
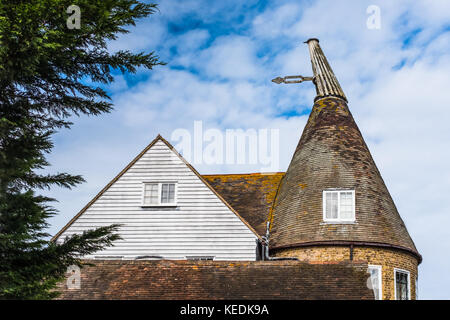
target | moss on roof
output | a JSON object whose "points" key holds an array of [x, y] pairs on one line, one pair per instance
{"points": [[251, 195], [197, 280]]}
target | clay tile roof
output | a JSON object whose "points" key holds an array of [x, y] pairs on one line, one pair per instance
{"points": [[332, 154], [185, 280], [251, 195]]}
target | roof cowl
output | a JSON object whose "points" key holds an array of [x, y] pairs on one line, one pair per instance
{"points": [[326, 83]]}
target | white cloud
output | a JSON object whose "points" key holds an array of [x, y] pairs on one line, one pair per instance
{"points": [[147, 34], [230, 57], [275, 23]]}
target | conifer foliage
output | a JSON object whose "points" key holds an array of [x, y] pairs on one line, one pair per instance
{"points": [[49, 73]]}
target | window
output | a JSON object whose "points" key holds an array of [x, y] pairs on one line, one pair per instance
{"points": [[376, 281], [168, 193], [417, 288], [159, 194], [339, 205], [402, 286], [151, 193]]}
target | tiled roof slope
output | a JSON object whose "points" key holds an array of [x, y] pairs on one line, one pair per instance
{"points": [[251, 195], [332, 154], [185, 280]]}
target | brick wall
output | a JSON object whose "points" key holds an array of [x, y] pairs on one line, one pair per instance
{"points": [[387, 258]]}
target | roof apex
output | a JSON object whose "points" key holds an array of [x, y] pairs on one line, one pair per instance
{"points": [[172, 148], [325, 81]]}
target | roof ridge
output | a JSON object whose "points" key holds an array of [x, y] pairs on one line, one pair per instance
{"points": [[244, 174]]}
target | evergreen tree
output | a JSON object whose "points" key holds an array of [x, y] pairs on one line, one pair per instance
{"points": [[51, 70]]}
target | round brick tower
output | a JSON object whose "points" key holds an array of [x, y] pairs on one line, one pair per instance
{"points": [[332, 204]]}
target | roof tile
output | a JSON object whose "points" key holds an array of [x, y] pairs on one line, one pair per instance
{"points": [[216, 280]]}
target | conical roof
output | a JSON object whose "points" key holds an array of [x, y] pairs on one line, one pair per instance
{"points": [[332, 154]]}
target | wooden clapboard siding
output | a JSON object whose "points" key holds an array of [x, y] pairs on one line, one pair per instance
{"points": [[202, 223]]}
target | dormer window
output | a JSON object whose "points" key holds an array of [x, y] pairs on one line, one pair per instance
{"points": [[339, 205], [159, 194]]}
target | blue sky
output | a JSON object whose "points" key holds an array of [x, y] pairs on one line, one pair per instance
{"points": [[221, 56]]}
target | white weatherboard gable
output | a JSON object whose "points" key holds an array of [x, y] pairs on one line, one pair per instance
{"points": [[200, 225]]}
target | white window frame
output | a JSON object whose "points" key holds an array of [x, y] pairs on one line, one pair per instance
{"points": [[416, 287], [339, 219], [408, 282], [159, 204], [380, 279]]}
